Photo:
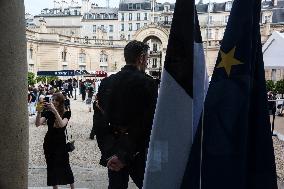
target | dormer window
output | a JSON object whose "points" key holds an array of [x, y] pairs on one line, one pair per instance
{"points": [[210, 7], [166, 8], [138, 6], [228, 6], [130, 6]]}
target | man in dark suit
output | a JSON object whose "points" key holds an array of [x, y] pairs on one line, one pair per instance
{"points": [[127, 101]]}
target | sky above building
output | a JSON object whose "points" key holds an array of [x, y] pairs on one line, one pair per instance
{"points": [[35, 6]]}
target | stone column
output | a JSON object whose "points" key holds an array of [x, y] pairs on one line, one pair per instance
{"points": [[13, 97]]}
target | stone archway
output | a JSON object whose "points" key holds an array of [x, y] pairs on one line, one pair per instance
{"points": [[157, 38], [153, 30]]}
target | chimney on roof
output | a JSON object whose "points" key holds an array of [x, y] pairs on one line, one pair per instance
{"points": [[274, 2]]}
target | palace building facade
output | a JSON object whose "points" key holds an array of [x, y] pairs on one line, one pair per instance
{"points": [[92, 38]]}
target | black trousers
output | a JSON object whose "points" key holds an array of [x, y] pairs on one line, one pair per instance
{"points": [[119, 180]]}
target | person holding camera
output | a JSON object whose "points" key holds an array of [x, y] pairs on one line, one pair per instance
{"points": [[56, 154]]}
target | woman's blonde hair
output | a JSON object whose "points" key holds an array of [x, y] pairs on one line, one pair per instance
{"points": [[60, 99]]}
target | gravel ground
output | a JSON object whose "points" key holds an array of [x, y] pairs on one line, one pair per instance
{"points": [[85, 158], [279, 158]]}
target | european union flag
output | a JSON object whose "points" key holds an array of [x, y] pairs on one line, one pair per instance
{"points": [[233, 146]]}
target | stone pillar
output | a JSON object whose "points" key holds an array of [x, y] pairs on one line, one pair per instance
{"points": [[13, 97]]}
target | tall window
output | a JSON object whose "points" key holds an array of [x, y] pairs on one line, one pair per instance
{"points": [[154, 63], [210, 19], [122, 16], [209, 34], [122, 27], [166, 8], [102, 27], [130, 27], [273, 74], [31, 53], [267, 19], [166, 19], [155, 47], [63, 55], [138, 6], [130, 16], [82, 58], [228, 6], [226, 18], [137, 26], [103, 57], [128, 36], [145, 16], [94, 28], [138, 16], [130, 6], [110, 28]]}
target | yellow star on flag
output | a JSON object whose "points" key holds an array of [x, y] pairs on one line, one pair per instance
{"points": [[228, 60]]}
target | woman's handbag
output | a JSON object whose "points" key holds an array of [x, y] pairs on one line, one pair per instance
{"points": [[70, 146]]}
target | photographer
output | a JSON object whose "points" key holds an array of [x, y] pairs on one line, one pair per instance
{"points": [[56, 155]]}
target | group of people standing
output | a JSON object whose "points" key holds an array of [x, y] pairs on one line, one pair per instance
{"points": [[123, 113]]}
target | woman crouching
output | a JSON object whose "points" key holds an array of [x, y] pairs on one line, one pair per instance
{"points": [[56, 155]]}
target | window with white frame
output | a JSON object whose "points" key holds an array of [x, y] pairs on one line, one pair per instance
{"points": [[110, 28], [122, 27], [94, 28], [209, 33], [103, 58], [63, 55], [130, 16], [82, 58], [167, 8], [64, 67], [31, 53], [226, 18], [138, 16], [122, 16], [154, 65], [130, 27], [31, 68], [145, 16], [137, 26], [82, 67], [228, 6], [210, 19], [138, 6], [267, 19], [130, 6], [210, 7]]}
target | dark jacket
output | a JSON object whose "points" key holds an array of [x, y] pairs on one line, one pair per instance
{"points": [[128, 100]]}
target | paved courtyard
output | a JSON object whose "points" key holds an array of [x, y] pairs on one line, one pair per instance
{"points": [[85, 158]]}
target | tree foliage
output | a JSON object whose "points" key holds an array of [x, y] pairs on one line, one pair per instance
{"points": [[31, 78], [270, 86], [43, 79], [279, 87]]}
